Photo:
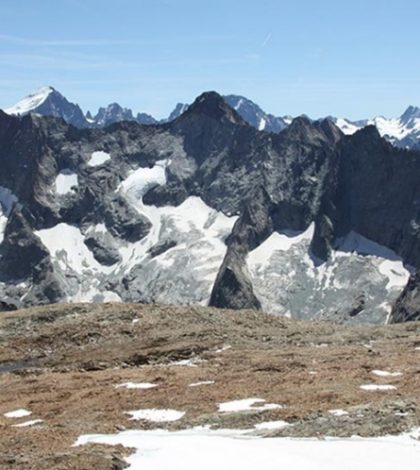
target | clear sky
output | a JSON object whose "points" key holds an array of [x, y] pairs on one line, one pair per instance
{"points": [[355, 58]]}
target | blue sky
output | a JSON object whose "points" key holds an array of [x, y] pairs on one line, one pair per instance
{"points": [[355, 58]]}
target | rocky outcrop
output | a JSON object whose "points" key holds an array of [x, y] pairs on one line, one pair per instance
{"points": [[407, 307]]}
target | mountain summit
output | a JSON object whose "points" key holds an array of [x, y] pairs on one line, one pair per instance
{"points": [[48, 101], [212, 105]]}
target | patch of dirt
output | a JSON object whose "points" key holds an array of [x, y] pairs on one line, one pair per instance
{"points": [[63, 363]]}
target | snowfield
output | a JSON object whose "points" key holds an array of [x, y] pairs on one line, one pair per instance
{"points": [[203, 449], [288, 280]]}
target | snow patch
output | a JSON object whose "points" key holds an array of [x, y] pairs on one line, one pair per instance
{"points": [[141, 386], [28, 423], [338, 412], [65, 181], [204, 382], [384, 373], [262, 124], [21, 413], [247, 404], [186, 362], [7, 201], [267, 425], [157, 416], [99, 158], [379, 388]]}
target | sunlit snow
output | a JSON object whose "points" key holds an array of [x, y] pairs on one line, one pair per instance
{"points": [[155, 415], [26, 424], [227, 449], [132, 385], [384, 373], [21, 413], [338, 412], [99, 158], [65, 182], [378, 388], [204, 382], [247, 404], [30, 102]]}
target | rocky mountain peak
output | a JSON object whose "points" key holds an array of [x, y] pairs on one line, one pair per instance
{"points": [[212, 105], [412, 112]]}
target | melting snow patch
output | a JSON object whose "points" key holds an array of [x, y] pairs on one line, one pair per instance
{"points": [[247, 405], [21, 413], [157, 416], [204, 382], [98, 158], [338, 412], [65, 182], [376, 387], [272, 425], [141, 386], [186, 362], [384, 373], [28, 423], [226, 449]]}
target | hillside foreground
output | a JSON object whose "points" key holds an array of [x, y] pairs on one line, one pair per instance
{"points": [[79, 369]]}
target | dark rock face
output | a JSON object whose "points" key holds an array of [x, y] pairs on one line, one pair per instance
{"points": [[122, 221], [102, 249], [378, 193], [407, 307], [161, 248], [58, 106], [122, 208]]}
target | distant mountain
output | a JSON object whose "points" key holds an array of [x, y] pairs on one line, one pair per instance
{"points": [[248, 110], [180, 108], [402, 132], [49, 102], [115, 113], [254, 115]]}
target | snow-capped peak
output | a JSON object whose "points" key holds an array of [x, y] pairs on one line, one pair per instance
{"points": [[31, 102]]}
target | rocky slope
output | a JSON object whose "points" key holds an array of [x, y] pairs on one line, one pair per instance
{"points": [[206, 209], [75, 369]]}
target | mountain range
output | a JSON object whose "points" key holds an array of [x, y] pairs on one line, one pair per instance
{"points": [[206, 209], [402, 132]]}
